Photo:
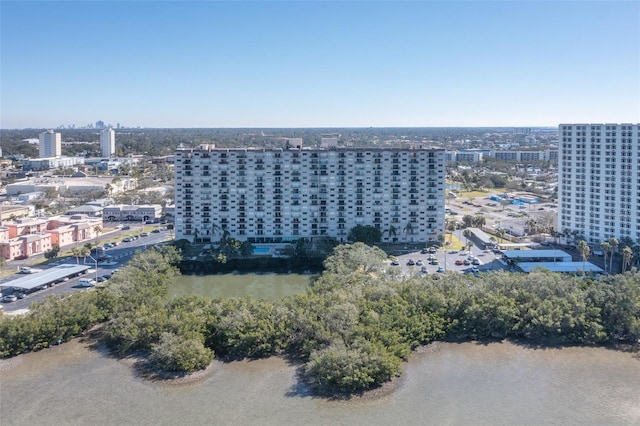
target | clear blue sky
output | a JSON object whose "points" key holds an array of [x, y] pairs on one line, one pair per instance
{"points": [[319, 64]]}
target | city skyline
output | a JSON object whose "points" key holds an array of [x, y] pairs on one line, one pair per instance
{"points": [[311, 64]]}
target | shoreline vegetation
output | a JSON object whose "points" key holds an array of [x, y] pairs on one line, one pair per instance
{"points": [[349, 334]]}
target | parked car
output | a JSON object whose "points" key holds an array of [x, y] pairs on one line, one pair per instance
{"points": [[459, 262], [86, 282], [155, 231], [467, 262], [395, 262], [424, 251], [9, 298], [476, 262], [475, 270], [410, 262], [144, 234], [419, 262], [424, 270], [440, 269], [434, 261]]}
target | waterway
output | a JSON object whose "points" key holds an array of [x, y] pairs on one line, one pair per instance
{"points": [[255, 285], [454, 384]]}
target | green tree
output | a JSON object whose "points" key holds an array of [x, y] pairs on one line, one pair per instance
{"points": [[348, 258], [53, 252], [467, 221], [367, 234], [180, 353]]}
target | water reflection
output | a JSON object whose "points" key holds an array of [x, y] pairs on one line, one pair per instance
{"points": [[255, 285], [466, 383]]}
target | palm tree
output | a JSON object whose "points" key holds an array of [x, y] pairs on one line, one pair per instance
{"points": [[467, 234], [408, 229], [450, 225], [613, 242], [392, 231], [585, 251], [75, 252], [479, 221], [627, 255], [606, 248], [214, 229], [98, 230], [531, 225], [500, 234]]}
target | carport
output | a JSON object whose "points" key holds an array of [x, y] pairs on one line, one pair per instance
{"points": [[30, 282]]}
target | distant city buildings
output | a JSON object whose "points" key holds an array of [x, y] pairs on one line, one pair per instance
{"points": [[50, 144], [599, 182], [478, 155], [107, 142], [281, 195]]}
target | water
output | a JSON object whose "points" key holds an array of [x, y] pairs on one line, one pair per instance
{"points": [[257, 286], [261, 250], [457, 384]]}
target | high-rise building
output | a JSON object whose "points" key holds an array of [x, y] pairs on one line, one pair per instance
{"points": [[50, 144], [107, 142], [280, 195], [599, 182]]}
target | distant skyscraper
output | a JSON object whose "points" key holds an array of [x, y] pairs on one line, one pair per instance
{"points": [[50, 144], [599, 182], [107, 142], [99, 124]]}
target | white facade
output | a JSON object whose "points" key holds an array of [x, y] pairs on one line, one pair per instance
{"points": [[599, 182], [107, 142], [50, 144], [276, 195]]}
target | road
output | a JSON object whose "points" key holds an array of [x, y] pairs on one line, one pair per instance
{"points": [[121, 255]]}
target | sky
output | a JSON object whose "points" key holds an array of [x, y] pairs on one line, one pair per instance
{"points": [[318, 64]]}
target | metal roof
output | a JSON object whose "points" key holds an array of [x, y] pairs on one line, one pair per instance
{"points": [[560, 266], [31, 281], [540, 254]]}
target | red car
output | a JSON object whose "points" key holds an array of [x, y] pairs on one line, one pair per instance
{"points": [[459, 262]]}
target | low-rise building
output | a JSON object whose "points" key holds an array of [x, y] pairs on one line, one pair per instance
{"points": [[122, 212]]}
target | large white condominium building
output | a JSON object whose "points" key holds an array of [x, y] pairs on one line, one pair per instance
{"points": [[50, 144], [599, 181], [280, 195], [107, 142]]}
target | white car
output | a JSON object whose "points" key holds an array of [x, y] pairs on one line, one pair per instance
{"points": [[86, 282], [10, 298]]}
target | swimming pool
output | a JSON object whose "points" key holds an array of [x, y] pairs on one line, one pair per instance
{"points": [[261, 250]]}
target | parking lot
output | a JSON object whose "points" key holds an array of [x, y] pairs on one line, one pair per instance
{"points": [[476, 260]]}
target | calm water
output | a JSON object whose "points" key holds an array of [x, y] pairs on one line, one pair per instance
{"points": [[457, 384], [257, 286]]}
